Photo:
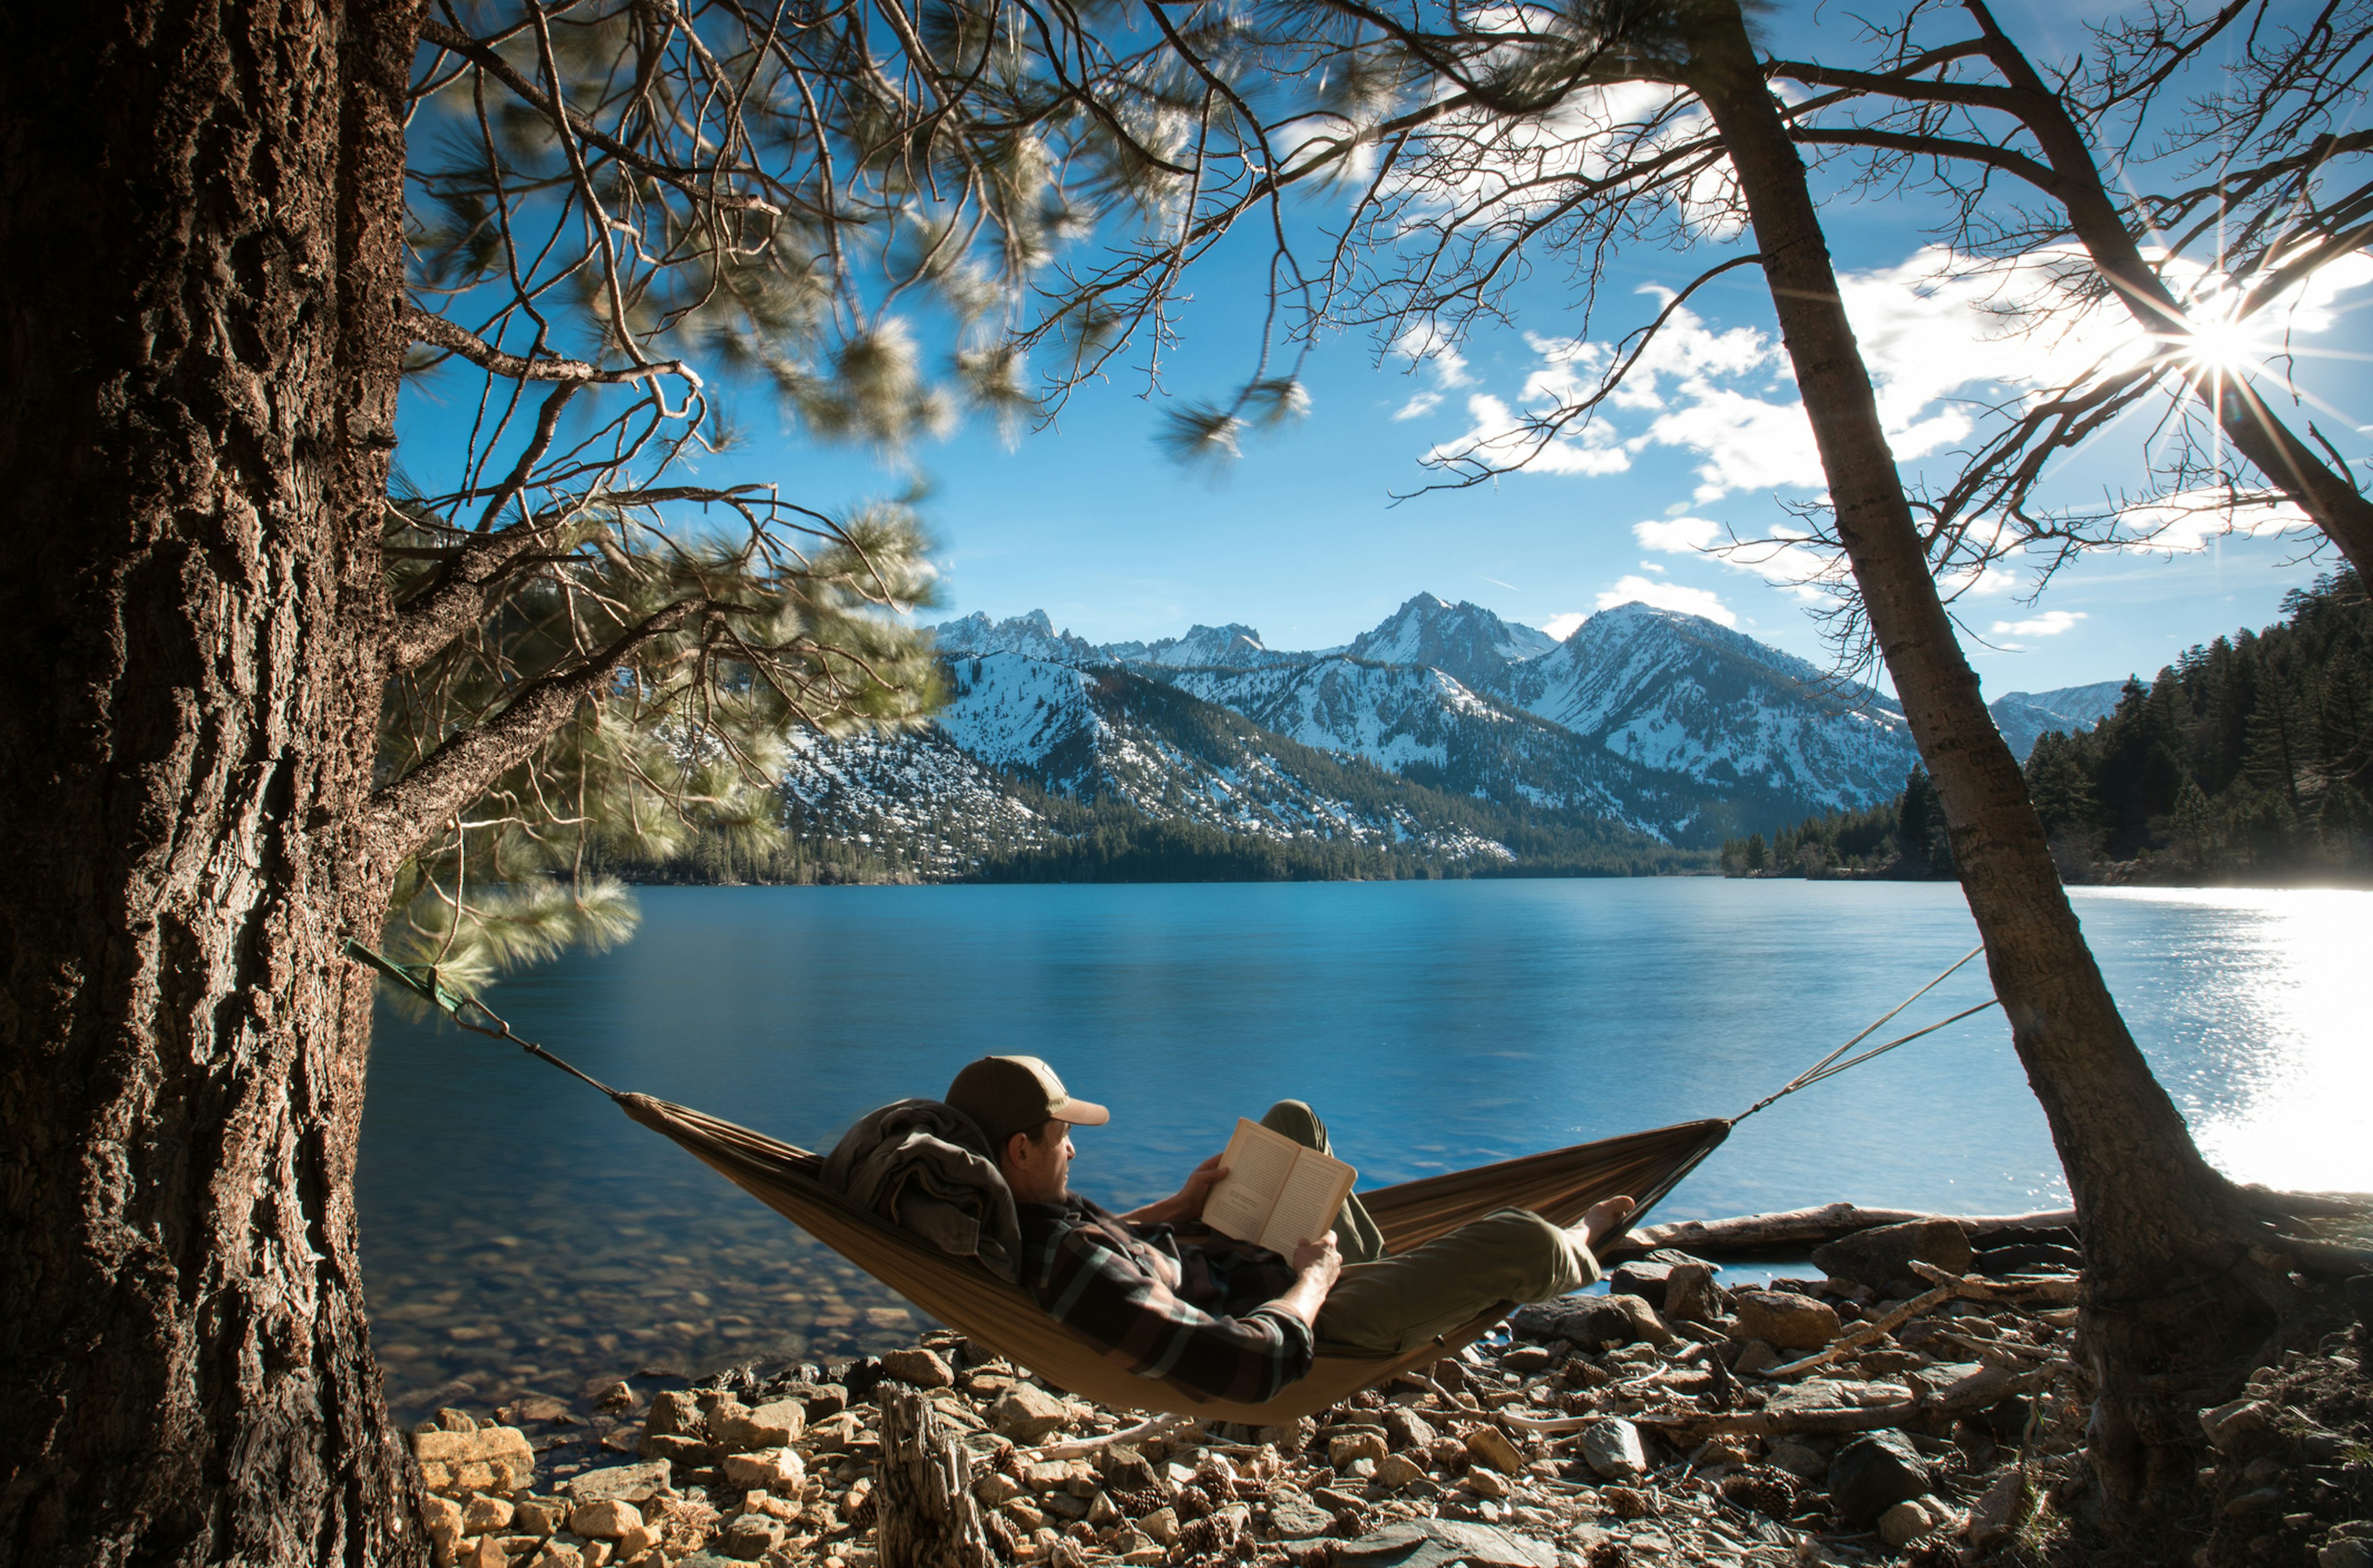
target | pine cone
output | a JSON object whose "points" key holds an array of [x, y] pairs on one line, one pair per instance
{"points": [[1218, 1483], [1198, 1537], [1136, 1503], [1768, 1490], [1192, 1503]]}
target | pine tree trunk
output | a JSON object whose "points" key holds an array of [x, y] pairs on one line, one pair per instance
{"points": [[201, 218], [925, 1515], [2172, 1300]]}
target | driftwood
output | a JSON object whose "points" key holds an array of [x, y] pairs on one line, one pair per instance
{"points": [[1983, 1391], [1796, 1230], [926, 1517], [2020, 1290], [1080, 1448]]}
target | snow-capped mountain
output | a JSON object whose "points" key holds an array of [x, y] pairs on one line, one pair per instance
{"points": [[1423, 725], [1665, 722], [1030, 755], [2024, 717], [1033, 634], [1204, 647], [1677, 693], [1461, 640]]}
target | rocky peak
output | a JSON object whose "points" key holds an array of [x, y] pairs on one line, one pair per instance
{"points": [[1464, 640]]}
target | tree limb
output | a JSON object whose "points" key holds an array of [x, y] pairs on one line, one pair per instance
{"points": [[439, 332], [403, 813]]}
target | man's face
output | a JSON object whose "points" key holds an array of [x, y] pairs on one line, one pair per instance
{"points": [[1039, 1171]]}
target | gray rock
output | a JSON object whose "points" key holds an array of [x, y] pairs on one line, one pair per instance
{"points": [[1293, 1516], [749, 1537], [917, 1367], [2230, 1426], [1797, 1456], [2345, 1553], [1881, 1257], [1612, 1449], [1591, 1321], [629, 1483], [1641, 1277], [1690, 1295], [675, 1414], [1407, 1429], [819, 1399], [1438, 1543], [1872, 1474], [1784, 1320]]}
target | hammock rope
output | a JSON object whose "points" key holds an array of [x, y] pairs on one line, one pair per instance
{"points": [[1829, 1066]]}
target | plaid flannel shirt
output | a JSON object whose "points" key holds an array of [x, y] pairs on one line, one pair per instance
{"points": [[1209, 1333]]}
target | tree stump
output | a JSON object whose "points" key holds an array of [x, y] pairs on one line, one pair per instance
{"points": [[925, 1514]]}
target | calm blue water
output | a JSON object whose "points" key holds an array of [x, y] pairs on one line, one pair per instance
{"points": [[520, 1234]]}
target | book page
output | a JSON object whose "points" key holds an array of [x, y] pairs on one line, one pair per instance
{"points": [[1305, 1210], [1260, 1163]]}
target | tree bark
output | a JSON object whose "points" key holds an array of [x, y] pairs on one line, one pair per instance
{"points": [[925, 1515], [2172, 1301], [202, 212]]}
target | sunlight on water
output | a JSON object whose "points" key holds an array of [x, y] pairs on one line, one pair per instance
{"points": [[2274, 995]]}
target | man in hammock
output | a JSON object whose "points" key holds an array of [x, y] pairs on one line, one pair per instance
{"points": [[1221, 1318]]}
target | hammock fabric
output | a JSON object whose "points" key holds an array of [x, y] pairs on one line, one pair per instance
{"points": [[1558, 1185]]}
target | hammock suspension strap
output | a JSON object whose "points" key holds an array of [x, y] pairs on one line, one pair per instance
{"points": [[1829, 1066], [464, 1009]]}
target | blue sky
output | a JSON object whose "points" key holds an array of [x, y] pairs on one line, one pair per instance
{"points": [[1304, 539]]}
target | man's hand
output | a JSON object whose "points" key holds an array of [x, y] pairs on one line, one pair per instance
{"points": [[1323, 1257], [1191, 1198], [1317, 1266], [1186, 1203]]}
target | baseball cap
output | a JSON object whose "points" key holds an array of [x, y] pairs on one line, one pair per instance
{"points": [[1005, 1095]]}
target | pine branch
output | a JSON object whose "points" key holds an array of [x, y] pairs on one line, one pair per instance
{"points": [[405, 812], [439, 332]]}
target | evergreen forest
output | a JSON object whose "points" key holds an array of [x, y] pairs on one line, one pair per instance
{"points": [[2250, 759]]}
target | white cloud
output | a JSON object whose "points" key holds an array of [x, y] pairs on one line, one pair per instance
{"points": [[2185, 522], [2051, 623], [1668, 596], [1429, 349], [1501, 435], [1677, 535], [1562, 626]]}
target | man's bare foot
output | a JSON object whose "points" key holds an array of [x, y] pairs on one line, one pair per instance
{"points": [[1602, 1218]]}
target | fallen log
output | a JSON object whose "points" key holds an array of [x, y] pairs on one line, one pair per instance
{"points": [[1851, 1418], [1797, 1230]]}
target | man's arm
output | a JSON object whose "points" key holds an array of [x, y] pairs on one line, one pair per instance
{"points": [[1317, 1266], [1139, 1321], [1186, 1203]]}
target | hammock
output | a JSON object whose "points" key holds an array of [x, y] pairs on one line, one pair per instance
{"points": [[1559, 1185]]}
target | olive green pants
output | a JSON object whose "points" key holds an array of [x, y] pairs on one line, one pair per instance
{"points": [[1398, 1303]]}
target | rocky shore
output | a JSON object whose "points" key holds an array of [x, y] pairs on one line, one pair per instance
{"points": [[1912, 1401]]}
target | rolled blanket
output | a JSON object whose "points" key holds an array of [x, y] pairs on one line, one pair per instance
{"points": [[926, 1168]]}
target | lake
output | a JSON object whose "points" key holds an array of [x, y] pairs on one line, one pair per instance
{"points": [[520, 1235]]}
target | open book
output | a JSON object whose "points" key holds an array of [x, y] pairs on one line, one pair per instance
{"points": [[1277, 1193]]}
